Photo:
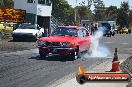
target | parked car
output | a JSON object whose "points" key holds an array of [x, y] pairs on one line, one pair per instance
{"points": [[65, 40], [108, 31], [5, 29], [124, 30], [27, 31]]}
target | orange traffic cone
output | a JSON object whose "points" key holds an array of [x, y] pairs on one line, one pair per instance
{"points": [[115, 63], [81, 70]]}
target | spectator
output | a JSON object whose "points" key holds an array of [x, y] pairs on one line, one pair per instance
{"points": [[84, 25], [95, 28], [92, 29], [87, 26]]}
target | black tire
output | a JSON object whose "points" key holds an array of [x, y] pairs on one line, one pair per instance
{"points": [[81, 79], [15, 39], [113, 33], [42, 56], [34, 38], [129, 31]]}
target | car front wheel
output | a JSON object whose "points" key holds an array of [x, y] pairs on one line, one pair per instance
{"points": [[42, 56]]}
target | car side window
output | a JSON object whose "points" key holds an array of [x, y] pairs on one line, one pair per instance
{"points": [[80, 33], [85, 33]]}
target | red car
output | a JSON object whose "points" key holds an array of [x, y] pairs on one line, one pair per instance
{"points": [[65, 40]]}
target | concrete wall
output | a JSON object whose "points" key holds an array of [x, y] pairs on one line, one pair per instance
{"points": [[29, 7], [44, 10], [30, 18], [34, 8]]}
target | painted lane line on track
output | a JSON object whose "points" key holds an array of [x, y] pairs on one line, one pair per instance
{"points": [[108, 42], [124, 43]]}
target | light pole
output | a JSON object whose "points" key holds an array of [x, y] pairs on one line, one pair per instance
{"points": [[76, 12]]}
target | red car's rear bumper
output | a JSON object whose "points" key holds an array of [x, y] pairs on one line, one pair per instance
{"points": [[53, 50]]}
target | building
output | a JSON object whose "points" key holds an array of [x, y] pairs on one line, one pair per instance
{"points": [[37, 11]]}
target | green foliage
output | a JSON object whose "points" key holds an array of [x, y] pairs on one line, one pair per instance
{"points": [[66, 14], [99, 12], [130, 17], [61, 10], [123, 15], [1, 4], [111, 13], [84, 13], [7, 4]]}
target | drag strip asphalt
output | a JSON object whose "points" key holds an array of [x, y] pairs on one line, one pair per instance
{"points": [[23, 69]]}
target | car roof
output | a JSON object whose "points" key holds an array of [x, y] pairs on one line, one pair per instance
{"points": [[76, 27]]}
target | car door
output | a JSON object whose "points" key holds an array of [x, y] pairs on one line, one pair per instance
{"points": [[87, 40], [81, 40]]}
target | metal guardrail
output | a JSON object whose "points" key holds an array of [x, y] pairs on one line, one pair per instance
{"points": [[54, 23]]}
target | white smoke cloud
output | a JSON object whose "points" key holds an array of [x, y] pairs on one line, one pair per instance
{"points": [[96, 49]]}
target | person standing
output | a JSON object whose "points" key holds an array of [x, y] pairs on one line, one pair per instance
{"points": [[95, 28], [92, 29]]}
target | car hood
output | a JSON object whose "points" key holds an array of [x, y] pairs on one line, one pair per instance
{"points": [[34, 31], [59, 38]]}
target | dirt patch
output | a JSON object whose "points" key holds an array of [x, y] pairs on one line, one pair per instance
{"points": [[126, 67], [7, 45]]}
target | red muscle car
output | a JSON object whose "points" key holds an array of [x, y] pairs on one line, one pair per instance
{"points": [[65, 40]]}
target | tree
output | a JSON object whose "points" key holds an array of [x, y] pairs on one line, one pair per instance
{"points": [[61, 10], [99, 11], [1, 4], [7, 3], [130, 17], [123, 15], [84, 13], [111, 13], [94, 2]]}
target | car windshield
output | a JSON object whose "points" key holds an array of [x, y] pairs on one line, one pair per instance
{"points": [[65, 31], [124, 28], [26, 26]]}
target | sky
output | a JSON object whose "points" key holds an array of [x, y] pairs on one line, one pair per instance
{"points": [[106, 2]]}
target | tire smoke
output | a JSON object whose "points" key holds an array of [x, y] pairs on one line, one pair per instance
{"points": [[96, 48]]}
